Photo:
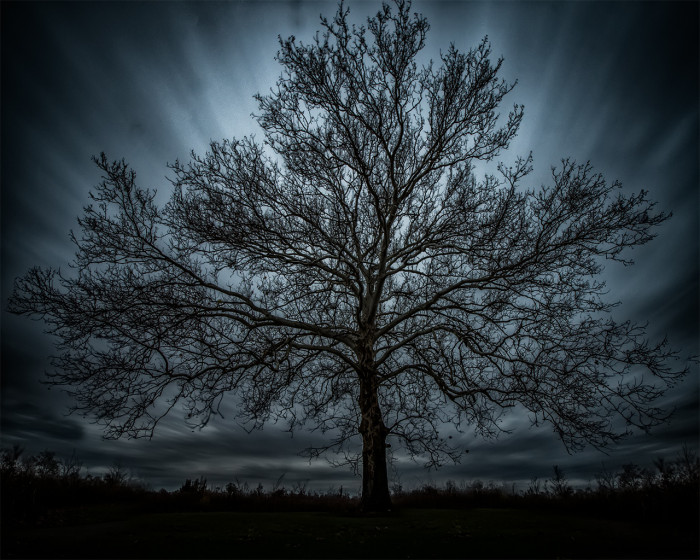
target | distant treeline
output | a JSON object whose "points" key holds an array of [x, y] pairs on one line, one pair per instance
{"points": [[45, 490]]}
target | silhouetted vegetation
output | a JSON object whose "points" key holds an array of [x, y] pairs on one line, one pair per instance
{"points": [[670, 493], [43, 490], [52, 508], [40, 489]]}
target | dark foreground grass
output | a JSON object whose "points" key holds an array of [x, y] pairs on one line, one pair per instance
{"points": [[412, 533]]}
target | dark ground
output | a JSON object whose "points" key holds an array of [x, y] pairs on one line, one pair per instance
{"points": [[118, 532]]}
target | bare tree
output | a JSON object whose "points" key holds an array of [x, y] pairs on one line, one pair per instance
{"points": [[353, 274]]}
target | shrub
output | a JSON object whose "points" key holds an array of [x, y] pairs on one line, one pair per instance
{"points": [[39, 490]]}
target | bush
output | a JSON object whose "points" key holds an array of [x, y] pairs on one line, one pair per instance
{"points": [[40, 490]]}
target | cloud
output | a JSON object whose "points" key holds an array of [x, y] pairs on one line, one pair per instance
{"points": [[28, 422]]}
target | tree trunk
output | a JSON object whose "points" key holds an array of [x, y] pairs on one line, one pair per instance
{"points": [[375, 482]]}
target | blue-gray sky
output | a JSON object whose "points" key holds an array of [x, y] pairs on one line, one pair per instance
{"points": [[614, 83]]}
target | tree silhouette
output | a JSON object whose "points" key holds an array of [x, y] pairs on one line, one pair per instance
{"points": [[353, 274]]}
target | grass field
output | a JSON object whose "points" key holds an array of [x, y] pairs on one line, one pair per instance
{"points": [[412, 533]]}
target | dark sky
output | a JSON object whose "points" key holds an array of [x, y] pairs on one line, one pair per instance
{"points": [[613, 83]]}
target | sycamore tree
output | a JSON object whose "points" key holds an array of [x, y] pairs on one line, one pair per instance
{"points": [[353, 274]]}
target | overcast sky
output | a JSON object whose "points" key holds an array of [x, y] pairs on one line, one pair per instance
{"points": [[613, 83]]}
